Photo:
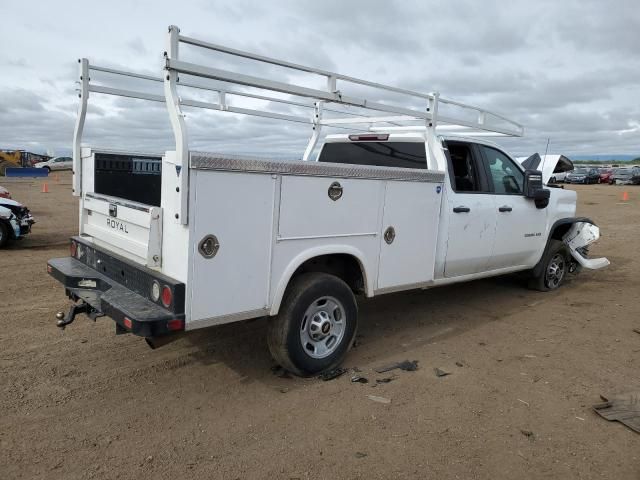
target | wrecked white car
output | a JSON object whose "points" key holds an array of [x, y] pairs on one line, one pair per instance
{"points": [[15, 221]]}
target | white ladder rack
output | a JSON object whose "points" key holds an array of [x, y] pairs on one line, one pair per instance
{"points": [[379, 116]]}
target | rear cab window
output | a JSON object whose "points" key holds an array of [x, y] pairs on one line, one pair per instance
{"points": [[466, 170], [378, 154]]}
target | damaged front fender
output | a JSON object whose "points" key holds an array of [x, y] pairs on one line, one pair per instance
{"points": [[578, 238]]}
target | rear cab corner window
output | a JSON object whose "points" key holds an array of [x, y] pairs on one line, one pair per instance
{"points": [[377, 154]]}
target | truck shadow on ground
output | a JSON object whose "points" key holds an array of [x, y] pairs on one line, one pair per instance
{"points": [[388, 324]]}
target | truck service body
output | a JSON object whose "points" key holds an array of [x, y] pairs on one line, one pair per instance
{"points": [[413, 198]]}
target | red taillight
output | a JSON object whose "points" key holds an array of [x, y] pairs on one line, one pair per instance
{"points": [[167, 296], [369, 137], [175, 324], [128, 323], [73, 247]]}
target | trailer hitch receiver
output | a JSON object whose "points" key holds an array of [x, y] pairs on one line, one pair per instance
{"points": [[82, 307]]}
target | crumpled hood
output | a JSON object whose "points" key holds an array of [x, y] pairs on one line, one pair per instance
{"points": [[547, 164]]}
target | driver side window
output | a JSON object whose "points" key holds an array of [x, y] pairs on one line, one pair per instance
{"points": [[506, 176]]}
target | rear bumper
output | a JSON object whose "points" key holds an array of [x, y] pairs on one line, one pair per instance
{"points": [[131, 311]]}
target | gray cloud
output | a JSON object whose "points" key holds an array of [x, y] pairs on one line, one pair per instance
{"points": [[566, 70], [137, 46]]}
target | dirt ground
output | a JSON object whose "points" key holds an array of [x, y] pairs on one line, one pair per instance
{"points": [[84, 403]]}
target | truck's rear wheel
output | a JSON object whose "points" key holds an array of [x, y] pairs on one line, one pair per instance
{"points": [[555, 267], [316, 324]]}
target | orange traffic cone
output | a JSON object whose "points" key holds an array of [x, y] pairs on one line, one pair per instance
{"points": [[45, 188], [625, 196]]}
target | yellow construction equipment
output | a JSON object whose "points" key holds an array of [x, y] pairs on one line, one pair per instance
{"points": [[19, 158]]}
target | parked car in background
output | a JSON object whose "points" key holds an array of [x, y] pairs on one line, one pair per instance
{"points": [[559, 177], [15, 221], [626, 176], [605, 175], [583, 175], [4, 193], [56, 163]]}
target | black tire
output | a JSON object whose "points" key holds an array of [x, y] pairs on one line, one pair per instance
{"points": [[47, 169], [301, 310], [4, 234], [554, 268]]}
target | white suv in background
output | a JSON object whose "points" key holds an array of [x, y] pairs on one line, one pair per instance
{"points": [[56, 163]]}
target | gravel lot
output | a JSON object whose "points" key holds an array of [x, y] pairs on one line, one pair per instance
{"points": [[84, 403]]}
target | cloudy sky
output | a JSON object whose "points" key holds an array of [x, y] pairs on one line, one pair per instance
{"points": [[569, 71]]}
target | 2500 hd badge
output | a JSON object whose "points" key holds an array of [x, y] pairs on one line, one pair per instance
{"points": [[116, 225]]}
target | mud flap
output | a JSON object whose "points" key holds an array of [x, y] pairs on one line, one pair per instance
{"points": [[580, 236]]}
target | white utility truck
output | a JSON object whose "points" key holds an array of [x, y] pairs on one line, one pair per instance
{"points": [[412, 197]]}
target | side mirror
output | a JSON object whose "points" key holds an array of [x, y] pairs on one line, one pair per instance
{"points": [[533, 188]]}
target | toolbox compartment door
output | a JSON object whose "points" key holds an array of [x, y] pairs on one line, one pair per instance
{"points": [[409, 234], [237, 210]]}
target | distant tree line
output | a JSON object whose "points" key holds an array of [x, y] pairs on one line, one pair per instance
{"points": [[605, 162]]}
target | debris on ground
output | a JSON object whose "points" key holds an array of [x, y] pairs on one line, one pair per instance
{"points": [[385, 380], [406, 365], [440, 372], [522, 401], [360, 455], [280, 372], [637, 330], [623, 408], [331, 374], [529, 434], [375, 398], [358, 379], [459, 364]]}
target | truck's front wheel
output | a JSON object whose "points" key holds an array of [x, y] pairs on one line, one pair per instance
{"points": [[555, 267], [316, 324]]}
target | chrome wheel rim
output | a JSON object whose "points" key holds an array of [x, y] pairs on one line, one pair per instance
{"points": [[322, 327], [556, 270]]}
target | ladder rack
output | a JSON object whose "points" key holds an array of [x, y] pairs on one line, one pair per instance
{"points": [[372, 114]]}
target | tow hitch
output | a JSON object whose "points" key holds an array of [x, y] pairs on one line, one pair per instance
{"points": [[82, 307]]}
